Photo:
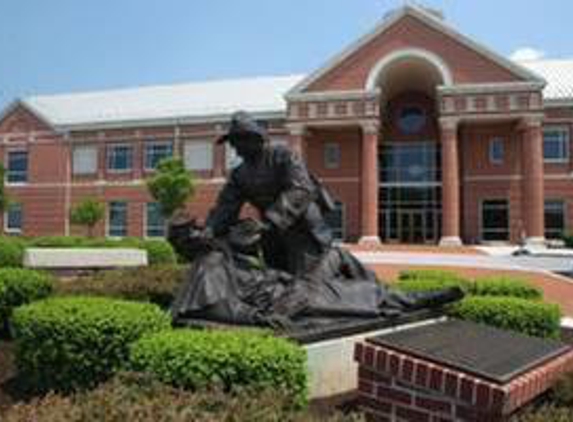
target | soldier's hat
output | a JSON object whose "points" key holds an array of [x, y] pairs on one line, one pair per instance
{"points": [[242, 123]]}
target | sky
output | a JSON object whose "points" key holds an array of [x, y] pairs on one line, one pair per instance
{"points": [[62, 46]]}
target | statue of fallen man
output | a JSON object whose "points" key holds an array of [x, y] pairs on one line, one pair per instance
{"points": [[230, 283]]}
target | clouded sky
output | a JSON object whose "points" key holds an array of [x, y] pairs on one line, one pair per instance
{"points": [[60, 46]]}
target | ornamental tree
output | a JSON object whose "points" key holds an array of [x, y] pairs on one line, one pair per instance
{"points": [[171, 186], [88, 213]]}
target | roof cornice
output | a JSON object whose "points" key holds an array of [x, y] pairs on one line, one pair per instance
{"points": [[168, 121]]}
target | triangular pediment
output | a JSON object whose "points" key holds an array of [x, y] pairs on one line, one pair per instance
{"points": [[413, 28], [18, 118]]}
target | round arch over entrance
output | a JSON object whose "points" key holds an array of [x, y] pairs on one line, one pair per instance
{"points": [[410, 203], [408, 58]]}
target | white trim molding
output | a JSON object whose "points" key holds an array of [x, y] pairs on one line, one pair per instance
{"points": [[379, 69]]}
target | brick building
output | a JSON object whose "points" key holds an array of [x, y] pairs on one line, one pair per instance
{"points": [[422, 134]]}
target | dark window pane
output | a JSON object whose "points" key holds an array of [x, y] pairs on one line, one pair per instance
{"points": [[495, 220], [117, 222], [17, 171], [155, 223]]}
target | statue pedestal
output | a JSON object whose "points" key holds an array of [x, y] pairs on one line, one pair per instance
{"points": [[331, 365]]}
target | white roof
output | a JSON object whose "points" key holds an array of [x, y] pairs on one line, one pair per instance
{"points": [[215, 100], [183, 102], [557, 73]]}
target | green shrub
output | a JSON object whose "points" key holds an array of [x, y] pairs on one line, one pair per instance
{"points": [[158, 251], [156, 284], [74, 342], [196, 359], [546, 413], [19, 286], [11, 251], [528, 317], [429, 280], [506, 286], [136, 397]]}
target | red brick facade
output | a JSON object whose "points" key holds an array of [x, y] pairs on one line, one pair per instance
{"points": [[469, 97]]}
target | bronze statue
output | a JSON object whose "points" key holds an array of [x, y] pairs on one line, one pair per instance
{"points": [[281, 270]]}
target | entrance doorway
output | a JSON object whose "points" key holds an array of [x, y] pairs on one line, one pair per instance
{"points": [[410, 192], [411, 226]]}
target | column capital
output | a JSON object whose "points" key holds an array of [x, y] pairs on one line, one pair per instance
{"points": [[449, 123], [370, 127], [530, 122], [296, 129]]}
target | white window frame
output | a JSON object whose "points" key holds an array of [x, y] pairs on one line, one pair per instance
{"points": [[145, 222], [564, 139], [491, 147], [332, 162], [208, 153], [151, 144], [13, 230], [108, 150], [93, 159], [7, 169], [108, 220]]}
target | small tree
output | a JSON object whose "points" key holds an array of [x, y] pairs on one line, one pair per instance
{"points": [[171, 186], [88, 213]]}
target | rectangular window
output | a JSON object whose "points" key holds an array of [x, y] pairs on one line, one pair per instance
{"points": [[119, 157], [117, 219], [17, 171], [554, 218], [198, 155], [13, 219], [154, 220], [331, 155], [232, 160], [84, 159], [155, 152], [496, 151], [556, 144], [495, 220], [335, 220]]}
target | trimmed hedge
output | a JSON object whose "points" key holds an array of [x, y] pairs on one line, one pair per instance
{"points": [[428, 280], [19, 286], [11, 252], [195, 359], [137, 397], [156, 284], [70, 343], [525, 316], [506, 286]]}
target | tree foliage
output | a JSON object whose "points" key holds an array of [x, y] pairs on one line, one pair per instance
{"points": [[88, 213], [171, 186]]}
